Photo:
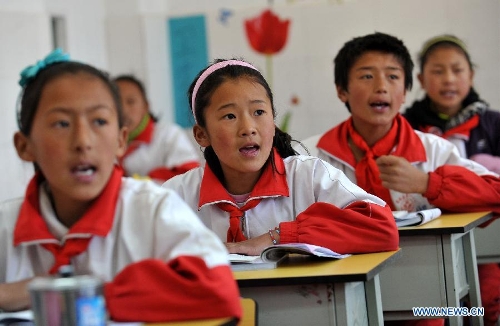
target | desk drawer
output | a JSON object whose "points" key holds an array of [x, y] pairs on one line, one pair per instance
{"points": [[417, 278], [314, 304], [488, 243]]}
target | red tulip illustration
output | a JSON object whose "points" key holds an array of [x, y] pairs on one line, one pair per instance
{"points": [[267, 33]]}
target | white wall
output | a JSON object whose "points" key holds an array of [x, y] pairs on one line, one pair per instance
{"points": [[130, 36], [20, 24], [318, 29], [137, 44], [25, 37]]}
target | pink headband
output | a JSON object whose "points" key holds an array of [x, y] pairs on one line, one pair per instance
{"points": [[209, 71]]}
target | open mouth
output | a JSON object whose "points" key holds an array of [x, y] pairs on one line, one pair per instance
{"points": [[84, 170], [249, 150], [448, 93], [379, 105]]}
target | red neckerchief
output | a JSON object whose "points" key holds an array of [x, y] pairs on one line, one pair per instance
{"points": [[401, 140], [270, 184], [97, 221], [144, 137], [234, 233], [462, 129]]}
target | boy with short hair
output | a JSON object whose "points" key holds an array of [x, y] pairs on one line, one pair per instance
{"points": [[378, 149]]}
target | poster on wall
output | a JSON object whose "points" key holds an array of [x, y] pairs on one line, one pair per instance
{"points": [[189, 55]]}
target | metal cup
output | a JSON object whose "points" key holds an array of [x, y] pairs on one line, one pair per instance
{"points": [[68, 301]]}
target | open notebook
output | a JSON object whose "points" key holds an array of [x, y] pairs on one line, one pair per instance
{"points": [[272, 256], [404, 218]]}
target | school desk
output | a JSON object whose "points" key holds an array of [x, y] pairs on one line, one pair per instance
{"points": [[308, 291], [249, 318], [203, 322], [438, 267], [488, 243]]}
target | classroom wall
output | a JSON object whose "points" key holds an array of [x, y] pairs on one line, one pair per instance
{"points": [[25, 37], [303, 71], [130, 36]]}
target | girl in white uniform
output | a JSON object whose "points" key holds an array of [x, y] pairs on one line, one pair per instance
{"points": [[143, 241], [254, 191], [155, 149]]}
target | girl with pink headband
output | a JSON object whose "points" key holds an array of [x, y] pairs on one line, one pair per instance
{"points": [[254, 190]]}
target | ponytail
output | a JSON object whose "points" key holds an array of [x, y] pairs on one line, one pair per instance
{"points": [[283, 143], [214, 163]]}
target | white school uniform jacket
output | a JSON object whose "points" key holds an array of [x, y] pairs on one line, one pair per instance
{"points": [[145, 242], [166, 152], [455, 184], [309, 200]]}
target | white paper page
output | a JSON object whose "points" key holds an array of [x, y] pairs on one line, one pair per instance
{"points": [[237, 258], [429, 214]]}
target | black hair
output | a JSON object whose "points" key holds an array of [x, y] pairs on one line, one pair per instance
{"points": [[30, 96], [439, 42], [281, 141], [132, 79], [378, 42]]}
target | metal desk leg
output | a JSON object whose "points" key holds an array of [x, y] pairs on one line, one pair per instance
{"points": [[451, 269], [472, 275], [350, 304], [374, 301], [461, 249]]}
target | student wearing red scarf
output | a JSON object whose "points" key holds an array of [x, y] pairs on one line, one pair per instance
{"points": [[254, 191], [158, 261], [453, 110], [451, 107], [158, 150], [379, 150]]}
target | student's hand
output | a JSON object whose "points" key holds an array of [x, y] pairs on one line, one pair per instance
{"points": [[398, 174], [14, 296], [251, 247], [489, 161]]}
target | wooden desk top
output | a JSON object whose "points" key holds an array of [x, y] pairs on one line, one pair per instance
{"points": [[203, 322], [249, 316], [448, 223], [307, 270]]}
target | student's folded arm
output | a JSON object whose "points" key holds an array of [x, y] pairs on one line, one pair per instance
{"points": [[185, 274], [180, 155], [457, 189], [361, 227], [14, 296], [184, 288]]}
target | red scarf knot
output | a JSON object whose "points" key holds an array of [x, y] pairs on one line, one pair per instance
{"points": [[234, 233]]}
